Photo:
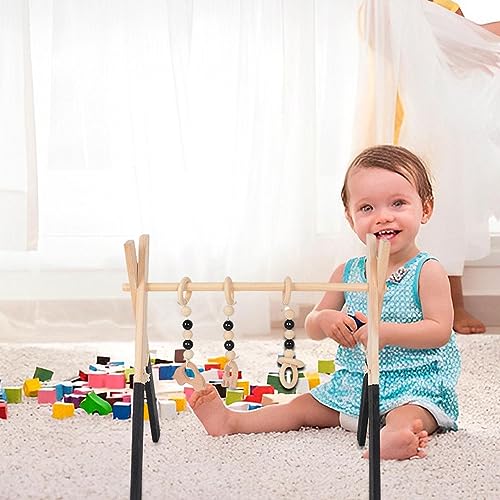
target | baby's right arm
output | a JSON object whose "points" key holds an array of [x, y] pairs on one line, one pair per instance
{"points": [[327, 319]]}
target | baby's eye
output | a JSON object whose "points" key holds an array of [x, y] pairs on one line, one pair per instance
{"points": [[399, 203], [365, 208]]}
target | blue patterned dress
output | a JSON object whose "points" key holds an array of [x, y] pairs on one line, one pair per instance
{"points": [[422, 376]]}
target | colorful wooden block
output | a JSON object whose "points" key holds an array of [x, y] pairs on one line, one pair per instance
{"points": [[103, 360], [4, 412], [168, 409], [302, 386], [95, 404], [115, 381], [31, 387], [128, 372], [273, 379], [258, 391], [62, 410], [313, 379], [233, 395], [220, 388], [218, 360], [245, 385], [166, 372], [179, 356], [43, 374], [122, 410], [67, 387], [211, 366], [180, 402], [97, 379], [47, 395], [13, 394], [188, 391], [326, 366], [59, 390], [146, 411]]}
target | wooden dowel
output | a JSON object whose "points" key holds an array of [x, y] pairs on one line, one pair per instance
{"points": [[255, 287]]}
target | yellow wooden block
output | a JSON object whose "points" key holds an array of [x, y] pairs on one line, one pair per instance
{"points": [[326, 366], [233, 395], [62, 410], [180, 402], [221, 360], [31, 387], [313, 379], [245, 385], [146, 411]]}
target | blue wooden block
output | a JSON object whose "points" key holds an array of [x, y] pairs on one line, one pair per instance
{"points": [[122, 411], [254, 406], [166, 372], [67, 387]]}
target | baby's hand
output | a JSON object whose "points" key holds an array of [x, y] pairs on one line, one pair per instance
{"points": [[361, 334], [339, 326]]}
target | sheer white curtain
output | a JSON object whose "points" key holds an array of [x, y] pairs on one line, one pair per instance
{"points": [[444, 70], [18, 182], [214, 126]]}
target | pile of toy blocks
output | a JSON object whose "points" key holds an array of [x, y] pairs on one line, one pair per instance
{"points": [[106, 388]]}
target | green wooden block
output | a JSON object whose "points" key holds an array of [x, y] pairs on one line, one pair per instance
{"points": [[233, 395], [14, 394], [326, 366], [94, 404], [273, 379], [43, 374]]}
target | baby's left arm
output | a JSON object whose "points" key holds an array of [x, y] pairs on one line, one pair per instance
{"points": [[434, 329]]}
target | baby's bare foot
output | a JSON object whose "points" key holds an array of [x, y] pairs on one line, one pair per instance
{"points": [[465, 323], [210, 410], [400, 444]]}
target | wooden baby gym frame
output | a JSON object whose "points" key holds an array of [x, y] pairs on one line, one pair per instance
{"points": [[138, 286]]}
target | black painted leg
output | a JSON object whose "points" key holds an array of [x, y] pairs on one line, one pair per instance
{"points": [[154, 421], [363, 413], [137, 442], [374, 441]]}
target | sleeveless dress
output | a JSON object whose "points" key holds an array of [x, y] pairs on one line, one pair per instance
{"points": [[426, 377]]}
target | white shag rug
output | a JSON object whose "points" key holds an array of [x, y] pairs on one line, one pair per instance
{"points": [[88, 456]]}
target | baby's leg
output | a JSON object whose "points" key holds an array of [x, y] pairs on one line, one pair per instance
{"points": [[218, 420], [406, 433]]}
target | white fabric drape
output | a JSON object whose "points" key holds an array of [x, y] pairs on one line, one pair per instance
{"points": [[18, 180], [223, 128], [445, 71]]}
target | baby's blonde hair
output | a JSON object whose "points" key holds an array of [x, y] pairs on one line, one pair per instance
{"points": [[395, 159]]}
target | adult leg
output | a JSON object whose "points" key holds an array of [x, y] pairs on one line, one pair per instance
{"points": [[493, 27], [463, 321], [218, 420]]}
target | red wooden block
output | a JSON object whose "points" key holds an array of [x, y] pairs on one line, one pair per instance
{"points": [[3, 410]]}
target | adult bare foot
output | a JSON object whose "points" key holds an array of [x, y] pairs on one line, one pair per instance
{"points": [[465, 323], [400, 444], [210, 410]]}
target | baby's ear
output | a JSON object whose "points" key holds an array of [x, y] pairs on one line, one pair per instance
{"points": [[428, 207]]}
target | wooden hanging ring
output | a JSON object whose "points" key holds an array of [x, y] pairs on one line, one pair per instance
{"points": [[287, 291], [181, 377], [229, 291], [183, 295]]}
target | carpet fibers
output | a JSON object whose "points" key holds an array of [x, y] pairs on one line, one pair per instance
{"points": [[88, 456]]}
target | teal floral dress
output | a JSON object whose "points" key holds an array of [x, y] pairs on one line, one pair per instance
{"points": [[426, 377]]}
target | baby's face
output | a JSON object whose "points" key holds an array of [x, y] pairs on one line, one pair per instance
{"points": [[386, 204]]}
